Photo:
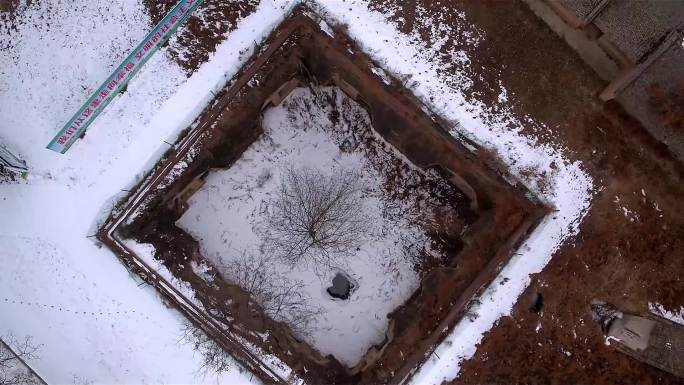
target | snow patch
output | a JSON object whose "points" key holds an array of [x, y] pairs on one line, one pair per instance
{"points": [[674, 316]]}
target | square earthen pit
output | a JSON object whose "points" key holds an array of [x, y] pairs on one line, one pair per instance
{"points": [[300, 53]]}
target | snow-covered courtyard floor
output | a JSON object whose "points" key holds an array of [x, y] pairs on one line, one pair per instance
{"points": [[228, 216]]}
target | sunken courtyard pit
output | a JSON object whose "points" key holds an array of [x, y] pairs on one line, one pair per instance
{"points": [[317, 220]]}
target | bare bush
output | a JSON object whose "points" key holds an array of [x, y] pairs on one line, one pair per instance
{"points": [[214, 358], [13, 369], [281, 298], [316, 217], [249, 272]]}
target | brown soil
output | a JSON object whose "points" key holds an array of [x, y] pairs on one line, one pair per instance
{"points": [[628, 260], [10, 5], [504, 215], [203, 31], [669, 106]]}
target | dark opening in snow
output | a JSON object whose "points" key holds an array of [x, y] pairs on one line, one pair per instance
{"points": [[537, 303], [341, 286]]}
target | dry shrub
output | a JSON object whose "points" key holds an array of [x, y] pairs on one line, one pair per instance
{"points": [[214, 359], [12, 369], [282, 299]]}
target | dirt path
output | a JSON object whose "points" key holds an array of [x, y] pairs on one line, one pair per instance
{"points": [[629, 248]]}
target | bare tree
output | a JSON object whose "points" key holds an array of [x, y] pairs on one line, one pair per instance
{"points": [[316, 217], [214, 358], [250, 272], [282, 299], [13, 369]]}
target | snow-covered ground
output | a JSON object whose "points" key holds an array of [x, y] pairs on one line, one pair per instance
{"points": [[674, 316], [76, 299], [228, 215]]}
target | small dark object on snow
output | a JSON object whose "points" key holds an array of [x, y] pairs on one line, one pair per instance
{"points": [[537, 303], [341, 287]]}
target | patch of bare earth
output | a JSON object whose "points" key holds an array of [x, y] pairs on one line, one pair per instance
{"points": [[203, 31], [628, 251], [9, 11], [8, 5]]}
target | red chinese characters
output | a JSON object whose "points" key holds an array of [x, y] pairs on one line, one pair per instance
{"points": [[112, 84]]}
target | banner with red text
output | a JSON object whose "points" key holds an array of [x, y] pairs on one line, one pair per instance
{"points": [[73, 129]]}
